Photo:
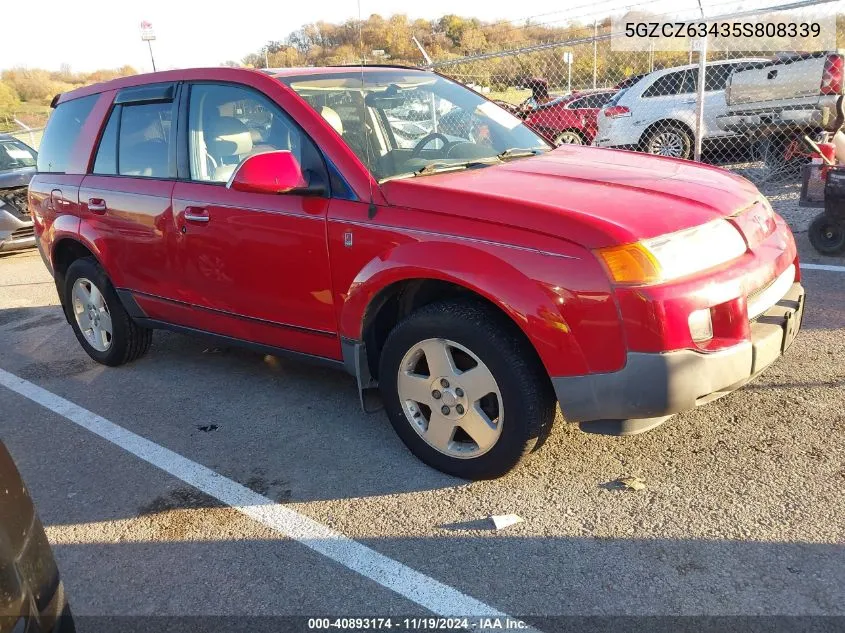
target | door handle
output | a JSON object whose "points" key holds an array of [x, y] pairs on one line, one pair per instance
{"points": [[196, 214], [97, 205]]}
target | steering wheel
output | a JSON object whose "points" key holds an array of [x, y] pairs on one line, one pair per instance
{"points": [[428, 138]]}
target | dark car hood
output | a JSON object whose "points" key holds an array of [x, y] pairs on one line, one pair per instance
{"points": [[595, 197], [16, 177]]}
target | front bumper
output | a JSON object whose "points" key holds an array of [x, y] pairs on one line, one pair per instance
{"points": [[655, 385], [16, 232]]}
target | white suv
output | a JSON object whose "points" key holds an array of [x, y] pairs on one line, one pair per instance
{"points": [[657, 114]]}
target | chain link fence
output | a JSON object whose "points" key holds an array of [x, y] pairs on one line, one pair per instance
{"points": [[743, 108]]}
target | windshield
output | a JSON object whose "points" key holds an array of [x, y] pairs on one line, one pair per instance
{"points": [[14, 155], [404, 122]]}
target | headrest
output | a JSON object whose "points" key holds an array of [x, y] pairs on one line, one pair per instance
{"points": [[227, 136], [333, 119]]}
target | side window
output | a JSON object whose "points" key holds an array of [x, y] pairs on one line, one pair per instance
{"points": [[578, 103], [227, 123], [671, 84], [716, 77], [106, 161], [63, 129], [600, 100], [143, 146]]}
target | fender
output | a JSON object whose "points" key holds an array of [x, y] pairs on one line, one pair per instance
{"points": [[525, 297]]}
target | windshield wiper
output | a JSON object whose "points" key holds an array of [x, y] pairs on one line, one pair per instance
{"points": [[518, 152], [440, 168]]}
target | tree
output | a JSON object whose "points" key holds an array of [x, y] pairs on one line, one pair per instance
{"points": [[9, 102]]}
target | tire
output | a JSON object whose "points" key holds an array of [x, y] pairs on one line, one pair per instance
{"points": [[772, 151], [569, 137], [827, 236], [522, 406], [668, 139], [126, 341]]}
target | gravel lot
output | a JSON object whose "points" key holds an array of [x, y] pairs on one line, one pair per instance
{"points": [[742, 513]]}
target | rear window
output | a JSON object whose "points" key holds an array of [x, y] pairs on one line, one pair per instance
{"points": [[63, 129]]}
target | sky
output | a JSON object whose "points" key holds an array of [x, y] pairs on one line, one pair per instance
{"points": [[92, 34]]}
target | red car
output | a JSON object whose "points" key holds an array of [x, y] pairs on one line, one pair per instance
{"points": [[569, 119], [476, 281]]}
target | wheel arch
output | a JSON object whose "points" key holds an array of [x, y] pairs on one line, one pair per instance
{"points": [[390, 288]]}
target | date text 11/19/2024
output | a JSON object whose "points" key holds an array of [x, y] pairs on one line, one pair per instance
{"points": [[419, 624]]}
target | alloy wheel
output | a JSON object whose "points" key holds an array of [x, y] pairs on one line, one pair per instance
{"points": [[450, 398], [667, 143], [92, 314]]}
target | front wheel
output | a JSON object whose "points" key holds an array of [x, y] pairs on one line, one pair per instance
{"points": [[464, 391], [669, 140], [827, 236]]}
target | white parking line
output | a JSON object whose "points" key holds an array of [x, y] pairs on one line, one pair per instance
{"points": [[828, 267], [435, 596]]}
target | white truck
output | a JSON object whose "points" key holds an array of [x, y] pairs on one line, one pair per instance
{"points": [[792, 93]]}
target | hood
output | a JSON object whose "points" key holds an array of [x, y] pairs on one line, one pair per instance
{"points": [[16, 177], [592, 196]]}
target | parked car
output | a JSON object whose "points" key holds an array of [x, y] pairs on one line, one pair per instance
{"points": [[570, 119], [775, 102], [17, 167], [475, 283], [657, 113], [32, 596]]}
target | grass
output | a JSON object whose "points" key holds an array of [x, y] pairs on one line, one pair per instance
{"points": [[510, 95]]}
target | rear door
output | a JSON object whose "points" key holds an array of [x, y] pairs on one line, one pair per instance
{"points": [[253, 266], [126, 201]]}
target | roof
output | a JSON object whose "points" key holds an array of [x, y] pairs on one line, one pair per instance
{"points": [[212, 73], [715, 62]]}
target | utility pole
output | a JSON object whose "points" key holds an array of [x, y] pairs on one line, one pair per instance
{"points": [[595, 49], [266, 58]]}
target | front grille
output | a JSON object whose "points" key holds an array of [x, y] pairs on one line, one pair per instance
{"points": [[17, 200], [23, 233]]}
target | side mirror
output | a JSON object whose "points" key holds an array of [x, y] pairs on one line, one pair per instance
{"points": [[271, 172]]}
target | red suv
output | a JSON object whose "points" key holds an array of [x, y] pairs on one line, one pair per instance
{"points": [[476, 276]]}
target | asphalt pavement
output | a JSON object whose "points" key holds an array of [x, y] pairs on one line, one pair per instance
{"points": [[269, 464]]}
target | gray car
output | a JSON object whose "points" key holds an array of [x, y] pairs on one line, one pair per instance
{"points": [[17, 166]]}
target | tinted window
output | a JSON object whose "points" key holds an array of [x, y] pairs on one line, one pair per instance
{"points": [[14, 155], [143, 148], [229, 123], [62, 131], [681, 82], [596, 100], [106, 161], [716, 77]]}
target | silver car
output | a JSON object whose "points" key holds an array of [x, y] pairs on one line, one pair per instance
{"points": [[17, 166]]}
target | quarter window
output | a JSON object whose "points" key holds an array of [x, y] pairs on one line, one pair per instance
{"points": [[63, 129]]}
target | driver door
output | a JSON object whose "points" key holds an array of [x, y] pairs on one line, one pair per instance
{"points": [[255, 266]]}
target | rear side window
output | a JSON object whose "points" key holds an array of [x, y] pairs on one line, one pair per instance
{"points": [[61, 134], [716, 76], [677, 83], [136, 141]]}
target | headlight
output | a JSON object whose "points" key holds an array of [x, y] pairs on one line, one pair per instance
{"points": [[674, 255]]}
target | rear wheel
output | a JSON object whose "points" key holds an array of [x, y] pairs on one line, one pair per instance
{"points": [[102, 326], [463, 390], [827, 236], [669, 140]]}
